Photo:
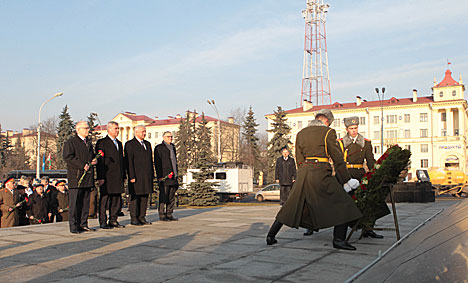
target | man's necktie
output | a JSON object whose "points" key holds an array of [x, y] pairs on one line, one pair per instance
{"points": [[143, 144]]}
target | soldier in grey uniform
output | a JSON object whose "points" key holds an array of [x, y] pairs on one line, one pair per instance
{"points": [[318, 200], [355, 150]]}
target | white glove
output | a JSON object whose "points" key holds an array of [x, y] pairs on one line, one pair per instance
{"points": [[351, 185]]}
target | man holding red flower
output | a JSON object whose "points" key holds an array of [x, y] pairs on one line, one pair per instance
{"points": [[78, 153], [165, 162]]}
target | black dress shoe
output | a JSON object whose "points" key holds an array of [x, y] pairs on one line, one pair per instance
{"points": [[116, 224], [87, 229], [136, 223], [308, 232], [164, 219], [120, 214], [271, 241], [144, 222], [343, 245], [172, 218], [105, 226], [372, 234]]}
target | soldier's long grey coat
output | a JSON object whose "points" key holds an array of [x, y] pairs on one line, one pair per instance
{"points": [[317, 199]]}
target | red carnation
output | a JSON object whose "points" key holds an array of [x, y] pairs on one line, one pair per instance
{"points": [[100, 152], [354, 197], [170, 175], [363, 187]]}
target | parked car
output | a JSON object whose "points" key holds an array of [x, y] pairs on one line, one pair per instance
{"points": [[270, 192]]}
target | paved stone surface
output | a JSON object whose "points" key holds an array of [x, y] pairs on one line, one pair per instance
{"points": [[221, 244]]}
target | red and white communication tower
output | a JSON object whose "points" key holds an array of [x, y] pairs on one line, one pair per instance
{"points": [[315, 75]]}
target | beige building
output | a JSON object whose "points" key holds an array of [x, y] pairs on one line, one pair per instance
{"points": [[433, 127], [155, 127]]}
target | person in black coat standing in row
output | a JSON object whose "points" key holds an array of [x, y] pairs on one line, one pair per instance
{"points": [[111, 176], [139, 159], [285, 174], [78, 153], [165, 163]]}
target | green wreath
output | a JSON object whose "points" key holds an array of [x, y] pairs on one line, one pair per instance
{"points": [[370, 196]]}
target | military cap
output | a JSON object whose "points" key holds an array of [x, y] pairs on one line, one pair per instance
{"points": [[38, 185], [351, 121], [327, 113], [11, 179], [60, 183]]}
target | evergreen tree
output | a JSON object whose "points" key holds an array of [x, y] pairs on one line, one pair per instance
{"points": [[194, 142], [202, 191], [184, 144], [251, 154], [65, 130], [280, 139], [92, 119]]}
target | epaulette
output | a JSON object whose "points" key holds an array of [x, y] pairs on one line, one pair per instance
{"points": [[367, 139], [340, 139]]}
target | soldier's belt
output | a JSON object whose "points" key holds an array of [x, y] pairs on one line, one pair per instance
{"points": [[317, 159], [356, 166]]}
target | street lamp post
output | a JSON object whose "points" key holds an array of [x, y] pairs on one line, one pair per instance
{"points": [[382, 117], [38, 163], [212, 103]]}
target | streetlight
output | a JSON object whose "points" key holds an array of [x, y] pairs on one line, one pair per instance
{"points": [[213, 105], [39, 133], [382, 118]]}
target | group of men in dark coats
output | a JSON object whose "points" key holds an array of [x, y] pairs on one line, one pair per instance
{"points": [[115, 164], [319, 198]]}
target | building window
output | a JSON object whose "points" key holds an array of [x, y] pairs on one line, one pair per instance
{"points": [[407, 118], [338, 135], [376, 135], [362, 120], [149, 135], [454, 93], [423, 117], [424, 148], [376, 120], [423, 133], [408, 147], [299, 124], [336, 123], [377, 149], [443, 117], [443, 132], [441, 94], [407, 134], [363, 134], [424, 163], [156, 134], [392, 134], [392, 119]]}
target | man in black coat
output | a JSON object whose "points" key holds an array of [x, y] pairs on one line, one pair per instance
{"points": [[165, 162], [78, 153], [139, 159], [285, 174], [51, 194], [111, 176]]}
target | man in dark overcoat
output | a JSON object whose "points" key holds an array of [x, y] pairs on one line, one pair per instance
{"points": [[285, 174], [111, 176], [165, 163], [357, 149], [78, 153], [318, 200], [51, 194], [139, 159]]}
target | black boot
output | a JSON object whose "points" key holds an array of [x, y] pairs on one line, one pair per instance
{"points": [[372, 234], [274, 229], [342, 244]]}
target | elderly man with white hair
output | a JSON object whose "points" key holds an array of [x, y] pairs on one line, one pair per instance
{"points": [[78, 153]]}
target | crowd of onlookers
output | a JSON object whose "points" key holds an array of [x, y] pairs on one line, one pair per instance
{"points": [[30, 201]]}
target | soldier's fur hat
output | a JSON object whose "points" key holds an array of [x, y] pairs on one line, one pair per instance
{"points": [[327, 113], [351, 121]]}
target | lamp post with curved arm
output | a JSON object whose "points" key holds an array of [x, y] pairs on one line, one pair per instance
{"points": [[212, 103], [38, 163], [382, 117]]}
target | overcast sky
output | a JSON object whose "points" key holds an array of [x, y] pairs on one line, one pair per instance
{"points": [[160, 58]]}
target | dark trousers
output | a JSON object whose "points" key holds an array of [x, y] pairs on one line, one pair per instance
{"points": [[79, 208], [284, 193], [166, 199], [138, 205], [93, 204], [111, 202]]}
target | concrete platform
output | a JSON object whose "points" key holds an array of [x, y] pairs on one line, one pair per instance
{"points": [[221, 244]]}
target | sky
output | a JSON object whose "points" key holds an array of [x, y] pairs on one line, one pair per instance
{"points": [[160, 58]]}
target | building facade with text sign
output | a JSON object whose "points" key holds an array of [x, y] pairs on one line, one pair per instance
{"points": [[433, 127]]}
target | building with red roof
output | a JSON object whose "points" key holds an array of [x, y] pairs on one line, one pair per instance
{"points": [[433, 127]]}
